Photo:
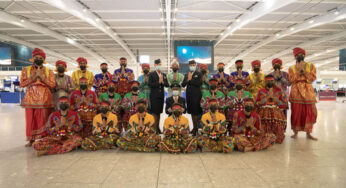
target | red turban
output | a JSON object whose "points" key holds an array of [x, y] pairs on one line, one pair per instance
{"points": [[256, 63], [249, 99], [177, 106], [104, 103], [276, 61], [64, 99], [134, 82], [110, 83], [220, 64], [81, 59], [239, 61], [212, 80], [239, 81], [38, 51], [145, 65], [203, 66], [297, 51], [83, 79], [60, 62], [212, 101]]}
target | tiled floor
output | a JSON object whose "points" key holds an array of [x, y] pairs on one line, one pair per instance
{"points": [[295, 163]]}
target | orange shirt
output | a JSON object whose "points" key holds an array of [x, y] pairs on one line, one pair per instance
{"points": [[38, 93], [302, 90]]}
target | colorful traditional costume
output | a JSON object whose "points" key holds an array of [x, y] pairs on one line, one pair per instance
{"points": [[235, 75], [256, 83], [144, 82], [112, 98], [101, 80], [223, 84], [208, 95], [205, 84], [38, 99], [64, 84], [78, 74], [122, 80]]}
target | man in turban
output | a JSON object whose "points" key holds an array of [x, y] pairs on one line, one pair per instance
{"points": [[83, 72], [64, 83]]}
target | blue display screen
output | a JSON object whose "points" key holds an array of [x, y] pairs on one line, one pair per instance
{"points": [[5, 56], [201, 54]]}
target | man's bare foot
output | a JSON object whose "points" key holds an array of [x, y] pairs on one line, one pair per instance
{"points": [[308, 135], [294, 136], [29, 144]]}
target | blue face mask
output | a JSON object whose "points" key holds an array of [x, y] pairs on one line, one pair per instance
{"points": [[157, 67], [192, 68]]}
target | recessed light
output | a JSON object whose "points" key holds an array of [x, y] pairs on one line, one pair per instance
{"points": [[175, 9], [292, 28], [238, 20], [160, 9], [221, 34], [22, 20], [277, 34], [97, 19], [311, 21], [336, 12], [84, 9]]}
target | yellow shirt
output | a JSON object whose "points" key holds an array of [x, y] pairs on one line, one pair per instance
{"points": [[111, 124], [148, 123], [169, 124], [256, 85], [210, 127], [76, 75]]}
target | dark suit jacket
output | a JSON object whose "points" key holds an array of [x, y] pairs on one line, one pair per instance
{"points": [[193, 92], [170, 102], [157, 92]]}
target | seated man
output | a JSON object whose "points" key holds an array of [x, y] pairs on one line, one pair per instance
{"points": [[270, 108], [141, 135], [247, 130], [214, 131], [175, 98], [176, 131], [62, 127], [212, 93], [111, 97], [105, 130]]}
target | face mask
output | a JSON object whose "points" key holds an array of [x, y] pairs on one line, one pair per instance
{"points": [[192, 68], [270, 85], [277, 67], [239, 87], [61, 69], [82, 67], [104, 70], [83, 87], [213, 87], [204, 71], [256, 69], [63, 106], [239, 68], [248, 108], [176, 113], [38, 62], [175, 93], [134, 89], [175, 69], [141, 109], [300, 58], [213, 108], [146, 71], [157, 67], [220, 69], [111, 89], [104, 110]]}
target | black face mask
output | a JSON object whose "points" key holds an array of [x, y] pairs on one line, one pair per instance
{"points": [[111, 89], [300, 58], [104, 110], [239, 68], [175, 69], [83, 87], [141, 109], [220, 69], [63, 106], [176, 113], [213, 87], [277, 67], [39, 62], [104, 70], [82, 67], [270, 85], [239, 87], [61, 69], [204, 71], [213, 108], [146, 71], [256, 70], [134, 89], [248, 108]]}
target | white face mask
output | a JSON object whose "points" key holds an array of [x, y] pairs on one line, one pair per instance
{"points": [[157, 67], [175, 93], [192, 68]]}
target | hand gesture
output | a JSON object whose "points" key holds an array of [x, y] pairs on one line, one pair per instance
{"points": [[213, 117], [161, 79], [189, 76], [271, 93], [250, 122]]}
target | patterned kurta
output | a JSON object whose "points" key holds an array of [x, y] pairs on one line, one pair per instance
{"points": [[179, 80], [250, 138], [141, 135], [100, 82], [222, 85], [214, 134], [302, 98], [283, 83], [86, 110], [235, 104], [205, 85], [105, 135], [129, 102], [177, 139], [219, 96], [114, 101], [78, 74], [144, 86], [65, 85], [273, 119], [123, 82], [256, 85], [244, 76], [62, 134]]}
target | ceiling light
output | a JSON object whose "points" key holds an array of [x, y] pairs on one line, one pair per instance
{"points": [[84, 9], [238, 20], [221, 34], [22, 20], [161, 19], [108, 27], [97, 19], [336, 12], [160, 9], [114, 33], [69, 40], [163, 33], [229, 27], [174, 19], [311, 21], [292, 28], [175, 9], [277, 34]]}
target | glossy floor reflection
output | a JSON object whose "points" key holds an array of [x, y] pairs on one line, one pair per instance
{"points": [[295, 163]]}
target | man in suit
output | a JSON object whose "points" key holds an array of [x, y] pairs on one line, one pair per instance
{"points": [[157, 83], [193, 82], [175, 98]]}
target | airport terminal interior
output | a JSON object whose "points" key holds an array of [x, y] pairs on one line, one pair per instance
{"points": [[172, 93]]}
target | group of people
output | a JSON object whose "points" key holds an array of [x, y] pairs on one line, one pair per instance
{"points": [[241, 110]]}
